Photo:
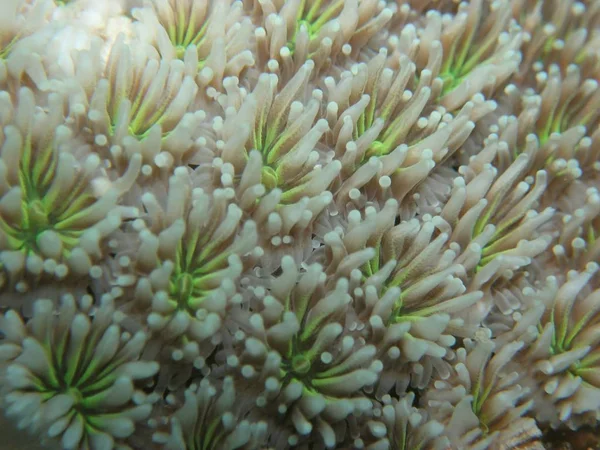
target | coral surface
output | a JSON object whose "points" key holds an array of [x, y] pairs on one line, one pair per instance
{"points": [[299, 224]]}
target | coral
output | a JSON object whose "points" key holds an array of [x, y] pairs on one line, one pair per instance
{"points": [[322, 31], [20, 21], [475, 51], [402, 426], [213, 37], [284, 131], [560, 33], [562, 353], [299, 224], [142, 104], [74, 375], [53, 221], [210, 419], [481, 404], [313, 369]]}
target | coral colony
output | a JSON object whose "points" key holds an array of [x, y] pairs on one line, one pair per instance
{"points": [[299, 224]]}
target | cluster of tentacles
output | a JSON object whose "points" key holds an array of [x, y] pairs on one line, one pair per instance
{"points": [[303, 224]]}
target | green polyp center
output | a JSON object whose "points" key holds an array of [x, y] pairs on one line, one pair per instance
{"points": [[453, 74], [182, 290], [309, 27], [450, 81], [38, 217], [74, 393], [269, 177], [179, 51], [185, 32], [313, 19], [377, 148], [461, 62], [585, 367], [300, 364], [137, 129], [35, 221]]}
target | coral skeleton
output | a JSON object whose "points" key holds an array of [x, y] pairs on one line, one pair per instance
{"points": [[303, 224]]}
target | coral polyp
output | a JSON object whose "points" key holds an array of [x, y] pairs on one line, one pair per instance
{"points": [[299, 224], [213, 38], [188, 255], [52, 220], [209, 420], [73, 376]]}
